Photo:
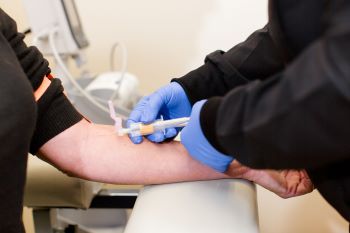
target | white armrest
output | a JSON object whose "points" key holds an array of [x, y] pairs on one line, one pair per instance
{"points": [[224, 206]]}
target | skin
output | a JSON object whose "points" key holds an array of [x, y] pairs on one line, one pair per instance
{"points": [[284, 183], [95, 152]]}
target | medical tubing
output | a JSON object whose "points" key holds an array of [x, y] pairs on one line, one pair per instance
{"points": [[60, 62], [100, 100], [123, 67]]}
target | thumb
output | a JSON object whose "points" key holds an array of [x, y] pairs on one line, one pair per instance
{"points": [[151, 111]]}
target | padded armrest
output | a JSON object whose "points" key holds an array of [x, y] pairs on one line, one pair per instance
{"points": [[223, 206], [48, 187]]}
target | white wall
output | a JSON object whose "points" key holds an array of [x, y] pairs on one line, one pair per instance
{"points": [[166, 39]]}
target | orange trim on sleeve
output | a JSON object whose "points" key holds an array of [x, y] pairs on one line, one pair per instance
{"points": [[49, 76], [42, 88]]}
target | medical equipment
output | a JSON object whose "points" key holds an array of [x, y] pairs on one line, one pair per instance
{"points": [[58, 32], [140, 129], [44, 15], [117, 87]]}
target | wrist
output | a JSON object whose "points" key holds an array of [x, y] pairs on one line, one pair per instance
{"points": [[200, 148], [208, 119], [237, 170]]}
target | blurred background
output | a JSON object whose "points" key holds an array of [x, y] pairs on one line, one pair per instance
{"points": [[167, 39]]}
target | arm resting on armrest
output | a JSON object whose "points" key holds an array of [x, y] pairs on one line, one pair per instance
{"points": [[95, 152]]}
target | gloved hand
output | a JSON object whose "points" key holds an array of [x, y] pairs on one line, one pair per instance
{"points": [[197, 145], [170, 102]]}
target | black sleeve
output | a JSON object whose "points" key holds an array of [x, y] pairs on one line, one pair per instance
{"points": [[333, 182], [255, 58], [299, 118], [55, 112]]}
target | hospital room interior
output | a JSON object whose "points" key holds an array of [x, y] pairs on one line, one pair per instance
{"points": [[130, 49]]}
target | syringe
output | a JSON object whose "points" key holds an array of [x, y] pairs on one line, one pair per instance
{"points": [[140, 129]]}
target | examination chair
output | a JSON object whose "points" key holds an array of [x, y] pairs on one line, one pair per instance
{"points": [[65, 204]]}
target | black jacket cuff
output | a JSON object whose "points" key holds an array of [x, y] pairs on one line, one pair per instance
{"points": [[54, 117], [189, 83]]}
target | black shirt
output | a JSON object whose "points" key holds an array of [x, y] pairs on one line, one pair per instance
{"points": [[281, 99], [24, 124]]}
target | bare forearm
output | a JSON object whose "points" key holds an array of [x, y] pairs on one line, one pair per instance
{"points": [[96, 153]]}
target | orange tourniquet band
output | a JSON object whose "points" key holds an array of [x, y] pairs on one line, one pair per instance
{"points": [[43, 87]]}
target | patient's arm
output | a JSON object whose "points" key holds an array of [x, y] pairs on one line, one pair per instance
{"points": [[96, 153]]}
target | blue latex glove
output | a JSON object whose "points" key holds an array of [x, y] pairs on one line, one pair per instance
{"points": [[197, 145], [169, 102]]}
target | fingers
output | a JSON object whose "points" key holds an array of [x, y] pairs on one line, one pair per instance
{"points": [[134, 139], [156, 137], [145, 111], [161, 136], [170, 132], [136, 114], [151, 108]]}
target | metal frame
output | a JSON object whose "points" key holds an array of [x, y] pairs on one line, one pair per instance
{"points": [[46, 219]]}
